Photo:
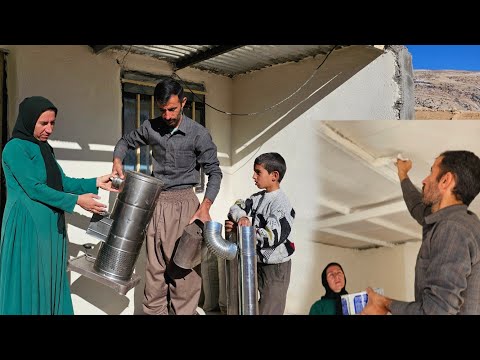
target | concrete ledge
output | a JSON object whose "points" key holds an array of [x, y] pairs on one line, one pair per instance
{"points": [[84, 266]]}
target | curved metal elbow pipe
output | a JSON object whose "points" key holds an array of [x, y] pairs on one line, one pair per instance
{"points": [[216, 244]]}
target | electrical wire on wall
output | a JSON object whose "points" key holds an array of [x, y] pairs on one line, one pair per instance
{"points": [[269, 108], [121, 63], [258, 112]]}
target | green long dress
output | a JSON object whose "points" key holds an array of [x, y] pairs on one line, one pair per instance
{"points": [[33, 248]]}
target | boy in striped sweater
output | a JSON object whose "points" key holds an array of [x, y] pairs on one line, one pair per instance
{"points": [[272, 217]]}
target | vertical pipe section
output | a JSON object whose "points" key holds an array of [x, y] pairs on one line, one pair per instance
{"points": [[248, 270], [242, 297], [232, 280]]}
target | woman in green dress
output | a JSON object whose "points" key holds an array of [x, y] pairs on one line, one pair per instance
{"points": [[33, 244], [334, 282]]}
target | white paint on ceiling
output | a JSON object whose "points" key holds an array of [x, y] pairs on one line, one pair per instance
{"points": [[351, 187]]}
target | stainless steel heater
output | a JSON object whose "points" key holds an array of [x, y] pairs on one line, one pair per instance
{"points": [[121, 232]]}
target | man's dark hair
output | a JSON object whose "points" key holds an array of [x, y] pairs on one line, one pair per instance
{"points": [[272, 162], [167, 88], [465, 167]]}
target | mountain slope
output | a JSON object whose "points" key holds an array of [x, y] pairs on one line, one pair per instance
{"points": [[447, 94]]}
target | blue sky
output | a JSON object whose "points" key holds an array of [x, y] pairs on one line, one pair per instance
{"points": [[445, 57]]}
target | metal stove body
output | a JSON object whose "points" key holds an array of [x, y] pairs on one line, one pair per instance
{"points": [[122, 233]]}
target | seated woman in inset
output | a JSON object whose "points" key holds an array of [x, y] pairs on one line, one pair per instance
{"points": [[333, 280]]}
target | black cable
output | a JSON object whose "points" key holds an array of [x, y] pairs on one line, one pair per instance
{"points": [[267, 109]]}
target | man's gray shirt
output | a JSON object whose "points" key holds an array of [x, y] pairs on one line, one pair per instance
{"points": [[177, 157], [447, 272]]}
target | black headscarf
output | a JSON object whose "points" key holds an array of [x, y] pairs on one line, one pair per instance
{"points": [[29, 111], [329, 293]]}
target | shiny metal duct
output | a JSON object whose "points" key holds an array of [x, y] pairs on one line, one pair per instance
{"points": [[212, 233], [248, 270], [131, 214], [232, 280], [241, 277]]}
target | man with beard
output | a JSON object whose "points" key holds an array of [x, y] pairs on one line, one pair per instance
{"points": [[447, 272], [180, 146]]}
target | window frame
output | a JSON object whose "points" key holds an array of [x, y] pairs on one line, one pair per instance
{"points": [[143, 84]]}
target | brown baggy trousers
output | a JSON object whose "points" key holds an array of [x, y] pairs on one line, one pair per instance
{"points": [[172, 213]]}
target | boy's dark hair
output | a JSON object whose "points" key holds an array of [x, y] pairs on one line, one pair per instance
{"points": [[465, 167], [272, 162], [165, 89]]}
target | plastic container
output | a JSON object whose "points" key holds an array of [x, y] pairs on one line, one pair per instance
{"points": [[353, 304]]}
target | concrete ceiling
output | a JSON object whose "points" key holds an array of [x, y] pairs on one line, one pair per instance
{"points": [[361, 204]]}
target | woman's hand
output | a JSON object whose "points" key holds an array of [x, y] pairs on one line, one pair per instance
{"points": [[104, 182], [88, 202]]}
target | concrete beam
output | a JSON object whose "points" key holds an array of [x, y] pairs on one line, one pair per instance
{"points": [[342, 209], [379, 165], [357, 237], [377, 221], [390, 225], [362, 215]]}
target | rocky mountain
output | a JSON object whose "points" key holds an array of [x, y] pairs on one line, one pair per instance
{"points": [[447, 94]]}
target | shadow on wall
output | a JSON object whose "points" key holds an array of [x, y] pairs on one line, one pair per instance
{"points": [[81, 221], [85, 154], [77, 220], [252, 131]]}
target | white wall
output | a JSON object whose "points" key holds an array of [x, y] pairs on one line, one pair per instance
{"points": [[370, 95], [86, 88], [366, 90], [411, 252], [392, 269], [354, 83]]}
